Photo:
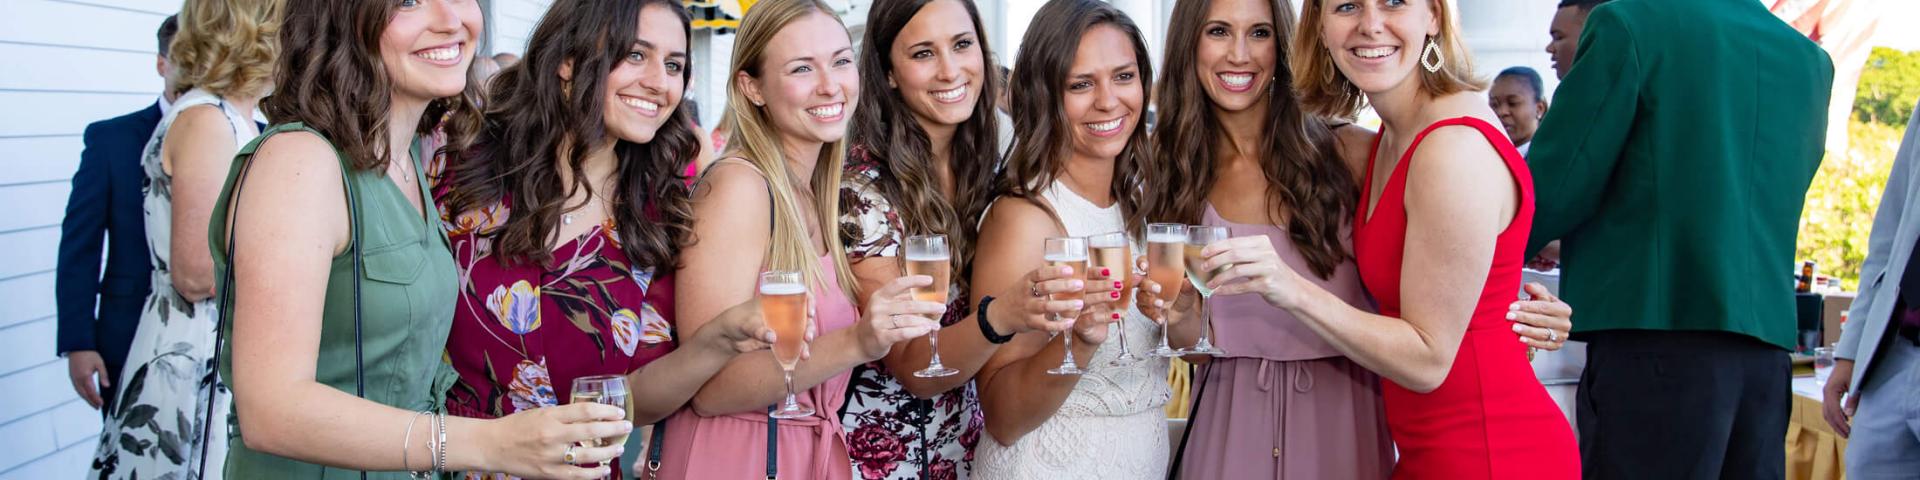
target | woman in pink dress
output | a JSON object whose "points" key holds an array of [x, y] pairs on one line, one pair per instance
{"points": [[770, 204], [568, 275]]}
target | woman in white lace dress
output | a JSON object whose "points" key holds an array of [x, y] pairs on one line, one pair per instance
{"points": [[223, 60], [1074, 170]]}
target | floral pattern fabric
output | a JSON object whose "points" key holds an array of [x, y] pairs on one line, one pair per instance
{"points": [[523, 332], [890, 433]]}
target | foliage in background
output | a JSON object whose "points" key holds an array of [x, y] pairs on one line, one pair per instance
{"points": [[1888, 87], [1838, 215]]}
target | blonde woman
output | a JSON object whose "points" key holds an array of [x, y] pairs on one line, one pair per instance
{"points": [[222, 64], [770, 203]]}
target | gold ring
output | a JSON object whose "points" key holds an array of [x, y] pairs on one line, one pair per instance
{"points": [[568, 456]]}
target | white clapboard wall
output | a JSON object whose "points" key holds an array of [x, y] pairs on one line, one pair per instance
{"points": [[64, 64]]}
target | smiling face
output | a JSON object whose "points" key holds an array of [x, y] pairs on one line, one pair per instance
{"points": [[938, 65], [1565, 37], [1377, 44], [1514, 100], [1104, 95], [647, 84], [428, 46], [1237, 53], [808, 83]]}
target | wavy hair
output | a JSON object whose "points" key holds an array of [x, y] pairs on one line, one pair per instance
{"points": [[887, 132], [754, 138], [330, 77], [533, 117], [1310, 190], [226, 47], [1327, 92], [1042, 138]]}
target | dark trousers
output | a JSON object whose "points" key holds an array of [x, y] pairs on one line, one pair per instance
{"points": [[1683, 405]]}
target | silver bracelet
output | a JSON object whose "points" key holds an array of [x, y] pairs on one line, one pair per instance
{"points": [[406, 447], [441, 466]]}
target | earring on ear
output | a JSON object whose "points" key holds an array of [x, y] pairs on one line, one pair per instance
{"points": [[1433, 50]]}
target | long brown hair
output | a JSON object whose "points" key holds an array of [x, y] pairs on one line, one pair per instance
{"points": [[532, 116], [1310, 191], [1042, 134], [887, 132], [330, 77]]}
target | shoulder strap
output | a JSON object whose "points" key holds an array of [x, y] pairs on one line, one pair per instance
{"points": [[243, 160], [773, 445]]}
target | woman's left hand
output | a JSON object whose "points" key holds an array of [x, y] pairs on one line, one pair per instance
{"points": [[1542, 322]]}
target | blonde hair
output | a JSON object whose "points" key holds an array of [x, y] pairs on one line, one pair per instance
{"points": [[226, 47], [754, 139], [1325, 91]]}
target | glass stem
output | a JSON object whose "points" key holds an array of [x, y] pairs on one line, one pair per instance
{"points": [[933, 341], [788, 375]]}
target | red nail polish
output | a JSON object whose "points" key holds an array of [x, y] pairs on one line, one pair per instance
{"points": [[1118, 285], [1106, 272], [1116, 315]]}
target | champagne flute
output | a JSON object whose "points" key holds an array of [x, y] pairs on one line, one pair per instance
{"points": [[1112, 252], [1166, 244], [1198, 236], [783, 302], [1068, 252], [606, 389], [928, 255]]}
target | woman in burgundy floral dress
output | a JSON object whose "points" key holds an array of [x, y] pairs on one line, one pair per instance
{"points": [[557, 268], [926, 150]]}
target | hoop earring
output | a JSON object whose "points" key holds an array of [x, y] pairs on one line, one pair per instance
{"points": [[1433, 50]]}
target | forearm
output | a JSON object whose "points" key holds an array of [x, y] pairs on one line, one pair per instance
{"points": [[1022, 395], [669, 382], [963, 347], [752, 381], [314, 423], [1389, 346]]}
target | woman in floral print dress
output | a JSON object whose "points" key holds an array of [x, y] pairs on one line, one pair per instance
{"points": [[926, 149], [558, 270]]}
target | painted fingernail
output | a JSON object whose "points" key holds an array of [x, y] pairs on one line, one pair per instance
{"points": [[1077, 285], [1079, 304], [1116, 315], [1116, 295], [1106, 272], [1513, 306], [1516, 328], [1119, 285]]}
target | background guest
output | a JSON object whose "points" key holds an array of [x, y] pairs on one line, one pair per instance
{"points": [[1880, 372], [1678, 208], [1565, 30], [222, 62], [1516, 97], [99, 310]]}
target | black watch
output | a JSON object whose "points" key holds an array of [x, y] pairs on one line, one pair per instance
{"points": [[986, 328]]}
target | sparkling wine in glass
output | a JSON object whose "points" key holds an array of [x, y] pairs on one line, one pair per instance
{"points": [[1112, 252], [928, 255], [1068, 252], [783, 302], [1198, 237], [1166, 250], [606, 389]]}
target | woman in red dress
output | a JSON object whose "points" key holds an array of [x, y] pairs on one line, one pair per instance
{"points": [[1448, 203]]}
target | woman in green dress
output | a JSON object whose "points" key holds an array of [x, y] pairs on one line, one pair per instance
{"points": [[341, 286]]}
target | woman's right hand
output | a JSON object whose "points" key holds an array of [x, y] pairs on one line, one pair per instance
{"points": [[534, 443], [893, 316], [1028, 305], [738, 330]]}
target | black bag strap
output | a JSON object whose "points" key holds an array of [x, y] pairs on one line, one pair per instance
{"points": [[226, 283], [654, 442], [1193, 412], [773, 445]]}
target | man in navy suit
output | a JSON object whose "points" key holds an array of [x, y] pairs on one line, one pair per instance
{"points": [[98, 311]]}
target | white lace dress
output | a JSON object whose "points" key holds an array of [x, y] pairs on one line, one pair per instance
{"points": [[1113, 425]]}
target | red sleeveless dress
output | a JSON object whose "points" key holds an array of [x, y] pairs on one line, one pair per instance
{"points": [[1490, 418]]}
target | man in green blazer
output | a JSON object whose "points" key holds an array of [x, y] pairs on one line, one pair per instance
{"points": [[1673, 167]]}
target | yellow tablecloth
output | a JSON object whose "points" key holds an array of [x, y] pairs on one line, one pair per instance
{"points": [[1814, 451]]}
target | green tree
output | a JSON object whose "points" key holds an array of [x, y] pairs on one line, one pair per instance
{"points": [[1838, 216], [1888, 87]]}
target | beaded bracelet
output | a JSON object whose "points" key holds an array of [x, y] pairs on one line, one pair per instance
{"points": [[441, 466]]}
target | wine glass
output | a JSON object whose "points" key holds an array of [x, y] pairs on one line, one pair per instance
{"points": [[1112, 252], [783, 302], [1198, 236], [1166, 244], [1068, 252], [928, 255], [605, 389]]}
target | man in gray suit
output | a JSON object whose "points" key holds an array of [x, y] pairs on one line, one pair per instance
{"points": [[1879, 349]]}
